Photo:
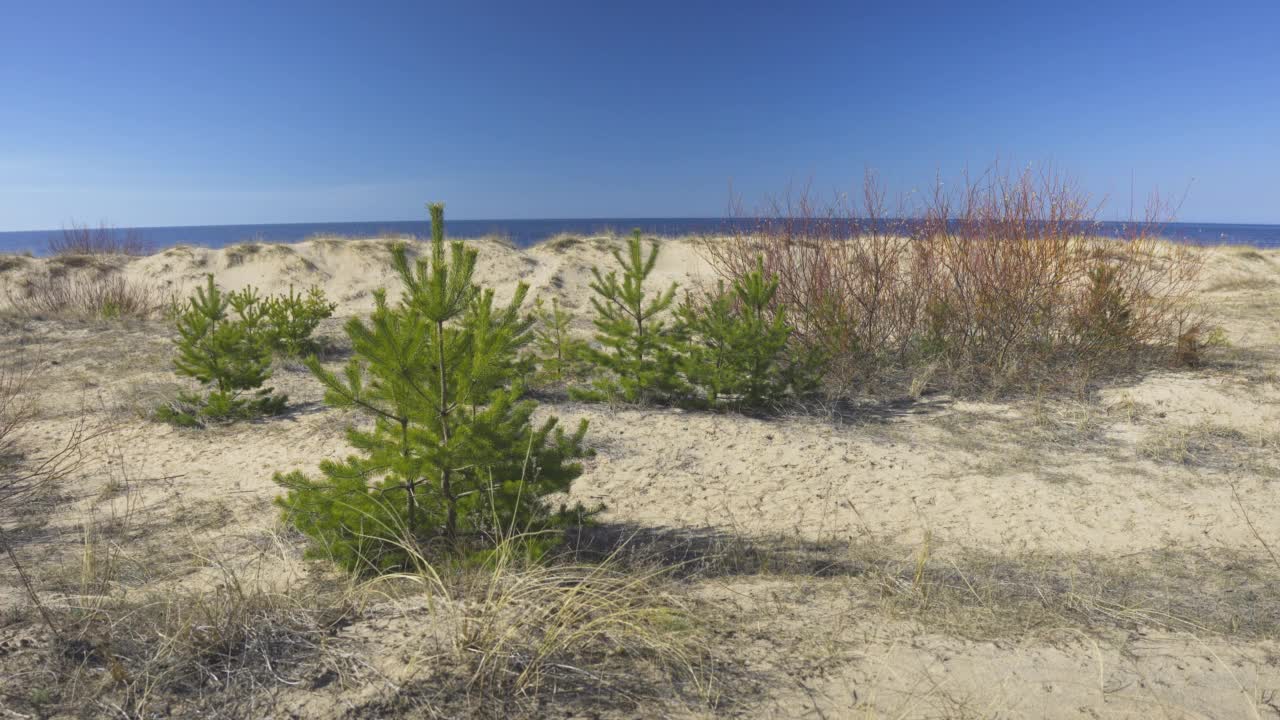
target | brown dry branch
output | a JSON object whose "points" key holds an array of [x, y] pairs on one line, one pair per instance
{"points": [[22, 477], [1005, 284]]}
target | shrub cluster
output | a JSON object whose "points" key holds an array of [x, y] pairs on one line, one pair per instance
{"points": [[226, 341], [453, 456], [1007, 284]]}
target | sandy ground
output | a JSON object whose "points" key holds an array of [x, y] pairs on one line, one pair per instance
{"points": [[1149, 474]]}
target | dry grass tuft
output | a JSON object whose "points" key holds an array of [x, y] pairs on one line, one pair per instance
{"points": [[102, 240], [89, 295], [1220, 447], [217, 639], [508, 634], [12, 262]]}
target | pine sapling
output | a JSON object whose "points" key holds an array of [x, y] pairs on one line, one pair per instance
{"points": [[226, 353], [556, 351], [291, 319], [637, 348], [737, 350], [453, 456]]}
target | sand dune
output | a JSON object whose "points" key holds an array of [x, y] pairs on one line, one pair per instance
{"points": [[1142, 471]]}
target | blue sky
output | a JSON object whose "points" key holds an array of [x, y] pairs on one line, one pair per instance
{"points": [[175, 113]]}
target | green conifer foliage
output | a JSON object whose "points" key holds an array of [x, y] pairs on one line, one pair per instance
{"points": [[220, 345], [453, 454], [737, 349], [558, 354], [637, 348], [290, 319]]}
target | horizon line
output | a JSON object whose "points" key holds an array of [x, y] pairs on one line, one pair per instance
{"points": [[546, 219]]}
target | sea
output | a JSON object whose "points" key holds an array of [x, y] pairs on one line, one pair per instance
{"points": [[528, 232]]}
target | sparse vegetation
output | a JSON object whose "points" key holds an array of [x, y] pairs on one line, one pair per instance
{"points": [[1003, 285], [88, 295], [751, 565], [102, 240]]}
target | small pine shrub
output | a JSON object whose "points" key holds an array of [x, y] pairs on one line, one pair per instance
{"points": [[738, 348], [289, 320], [453, 458], [220, 344], [637, 355], [558, 354]]}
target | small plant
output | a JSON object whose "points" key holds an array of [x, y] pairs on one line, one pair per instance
{"points": [[558, 354], [453, 456], [738, 347], [290, 319], [637, 349], [227, 354]]}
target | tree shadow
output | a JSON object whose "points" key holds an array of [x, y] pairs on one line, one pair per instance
{"points": [[876, 411], [707, 552], [294, 412]]}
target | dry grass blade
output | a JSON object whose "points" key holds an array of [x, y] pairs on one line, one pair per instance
{"points": [[1244, 512]]}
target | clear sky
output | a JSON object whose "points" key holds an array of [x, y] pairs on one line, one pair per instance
{"points": [[175, 113]]}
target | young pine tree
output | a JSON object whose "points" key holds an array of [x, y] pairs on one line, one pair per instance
{"points": [[557, 352], [638, 349], [220, 344], [737, 351], [453, 454], [290, 319]]}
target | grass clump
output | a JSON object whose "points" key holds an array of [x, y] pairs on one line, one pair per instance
{"points": [[513, 633], [1210, 446], [453, 457], [89, 295], [11, 262]]}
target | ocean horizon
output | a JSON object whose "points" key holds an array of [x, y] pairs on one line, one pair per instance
{"points": [[524, 233]]}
